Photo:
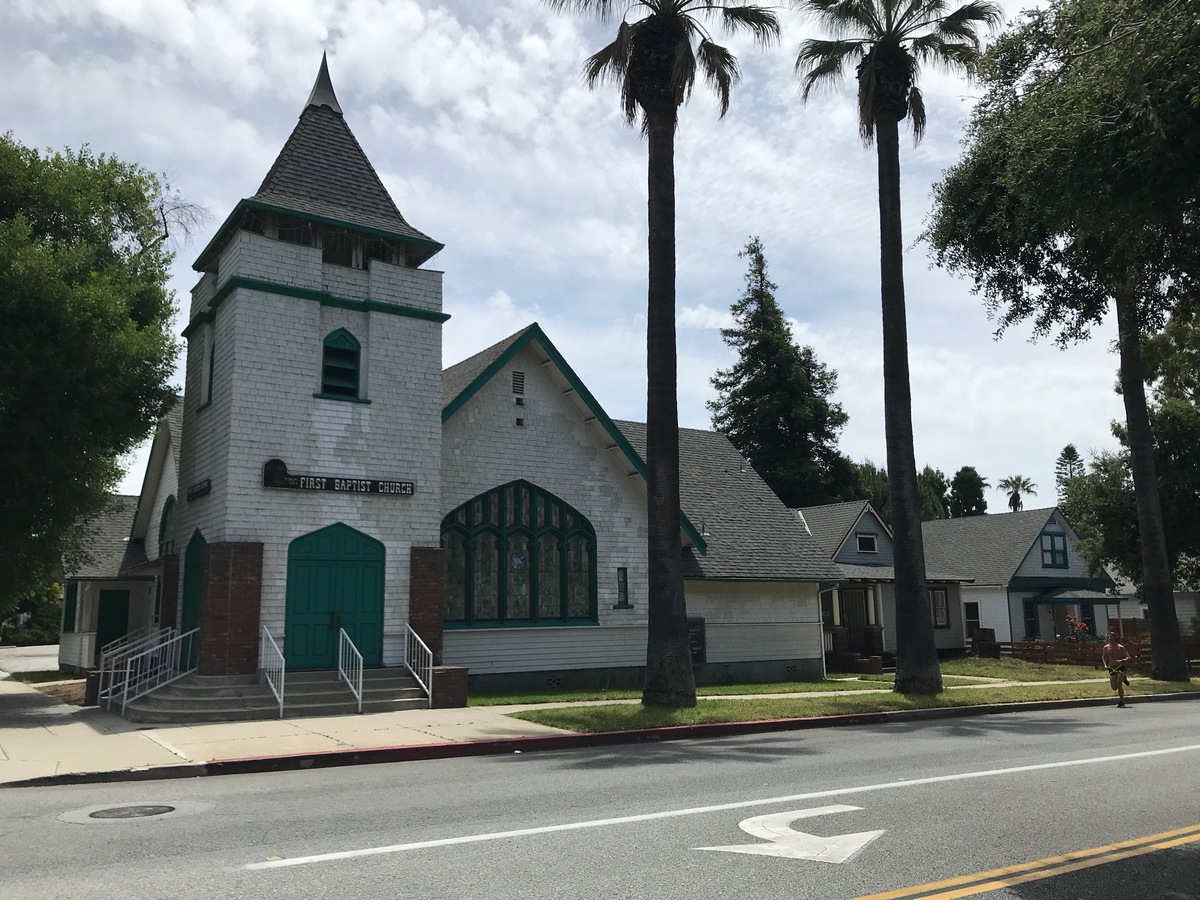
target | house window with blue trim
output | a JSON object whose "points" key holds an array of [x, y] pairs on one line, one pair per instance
{"points": [[1054, 550], [518, 555], [1033, 626], [340, 360]]}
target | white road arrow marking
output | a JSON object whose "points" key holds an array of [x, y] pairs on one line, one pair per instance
{"points": [[786, 842]]}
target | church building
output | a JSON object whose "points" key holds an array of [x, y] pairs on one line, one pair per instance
{"points": [[322, 475]]}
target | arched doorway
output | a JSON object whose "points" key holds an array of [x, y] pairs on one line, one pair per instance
{"points": [[334, 580]]}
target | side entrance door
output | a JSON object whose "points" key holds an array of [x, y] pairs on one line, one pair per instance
{"points": [[112, 617], [335, 581]]}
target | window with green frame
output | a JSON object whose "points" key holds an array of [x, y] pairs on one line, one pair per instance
{"points": [[340, 359], [70, 605], [1054, 550], [518, 555], [166, 528]]}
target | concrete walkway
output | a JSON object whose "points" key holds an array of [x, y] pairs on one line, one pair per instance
{"points": [[46, 740]]}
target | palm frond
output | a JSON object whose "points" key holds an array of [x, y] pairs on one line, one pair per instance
{"points": [[964, 22], [916, 113], [721, 71], [845, 17], [683, 73], [758, 20], [612, 62], [821, 64], [917, 14], [866, 99], [931, 49], [601, 9]]}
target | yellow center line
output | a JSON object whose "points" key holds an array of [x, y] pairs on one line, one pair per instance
{"points": [[994, 879]]}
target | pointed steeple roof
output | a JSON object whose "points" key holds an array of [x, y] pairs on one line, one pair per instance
{"points": [[322, 174]]}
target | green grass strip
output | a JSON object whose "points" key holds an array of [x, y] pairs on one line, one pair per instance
{"points": [[41, 677], [623, 717]]}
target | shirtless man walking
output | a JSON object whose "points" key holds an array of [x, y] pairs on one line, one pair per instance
{"points": [[1114, 656]]}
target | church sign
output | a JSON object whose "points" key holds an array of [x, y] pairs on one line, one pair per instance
{"points": [[276, 475]]}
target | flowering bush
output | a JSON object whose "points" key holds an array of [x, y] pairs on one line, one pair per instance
{"points": [[1077, 632]]}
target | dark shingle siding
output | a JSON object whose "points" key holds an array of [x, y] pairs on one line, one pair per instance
{"points": [[460, 376], [988, 548], [831, 523], [108, 539]]}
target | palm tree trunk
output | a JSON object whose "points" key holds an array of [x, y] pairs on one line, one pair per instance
{"points": [[670, 680], [917, 670], [1168, 661]]}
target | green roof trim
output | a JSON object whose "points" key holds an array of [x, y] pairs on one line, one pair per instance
{"points": [[535, 333], [301, 293], [235, 217]]}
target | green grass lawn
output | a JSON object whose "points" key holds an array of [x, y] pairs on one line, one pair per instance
{"points": [[41, 677], [503, 698], [1018, 670], [625, 717]]}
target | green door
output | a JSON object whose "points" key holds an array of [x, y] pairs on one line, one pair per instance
{"points": [[335, 580], [112, 619], [193, 587]]}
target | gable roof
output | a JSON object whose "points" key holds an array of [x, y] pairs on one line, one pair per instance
{"points": [[831, 523], [168, 435], [322, 174], [108, 539], [989, 548], [751, 534]]}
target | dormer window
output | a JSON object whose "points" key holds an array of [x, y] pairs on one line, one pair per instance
{"points": [[340, 366], [867, 543], [1054, 550]]}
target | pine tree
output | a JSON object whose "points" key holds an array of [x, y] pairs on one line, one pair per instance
{"points": [[1068, 465], [774, 403], [966, 493]]}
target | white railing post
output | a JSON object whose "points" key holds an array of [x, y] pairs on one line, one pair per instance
{"points": [[418, 659], [146, 665], [350, 665], [274, 666]]}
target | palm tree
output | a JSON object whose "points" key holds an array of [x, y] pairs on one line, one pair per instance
{"points": [[654, 60], [1016, 485], [889, 40]]}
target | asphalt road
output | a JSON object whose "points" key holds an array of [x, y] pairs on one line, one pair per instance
{"points": [[930, 801]]}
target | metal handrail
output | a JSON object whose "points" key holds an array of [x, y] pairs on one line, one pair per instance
{"points": [[350, 665], [113, 660], [274, 666], [418, 659], [138, 674], [125, 641]]}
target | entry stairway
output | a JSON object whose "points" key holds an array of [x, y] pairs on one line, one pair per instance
{"points": [[228, 698]]}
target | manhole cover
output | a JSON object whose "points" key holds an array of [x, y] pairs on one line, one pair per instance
{"points": [[130, 812]]}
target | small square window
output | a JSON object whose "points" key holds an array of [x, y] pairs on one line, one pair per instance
{"points": [[867, 543]]}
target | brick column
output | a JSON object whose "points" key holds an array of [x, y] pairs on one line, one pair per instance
{"points": [[427, 596], [168, 611], [229, 617]]}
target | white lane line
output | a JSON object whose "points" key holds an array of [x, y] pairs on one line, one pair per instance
{"points": [[700, 810]]}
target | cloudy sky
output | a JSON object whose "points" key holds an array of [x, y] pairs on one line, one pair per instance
{"points": [[474, 114]]}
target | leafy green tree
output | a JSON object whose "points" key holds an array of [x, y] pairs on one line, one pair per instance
{"points": [[889, 41], [966, 493], [85, 344], [872, 484], [1016, 486], [1068, 465], [774, 404], [1076, 194], [934, 489], [654, 60], [35, 617]]}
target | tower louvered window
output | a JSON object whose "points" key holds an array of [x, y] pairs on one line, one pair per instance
{"points": [[340, 365]]}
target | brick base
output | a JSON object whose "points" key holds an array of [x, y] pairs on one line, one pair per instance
{"points": [[449, 687], [427, 598], [230, 607]]}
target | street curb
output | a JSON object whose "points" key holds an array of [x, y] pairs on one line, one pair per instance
{"points": [[460, 749]]}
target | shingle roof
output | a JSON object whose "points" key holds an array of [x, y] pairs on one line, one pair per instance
{"points": [[108, 539], [175, 428], [831, 523], [462, 375], [750, 533], [988, 548], [888, 573]]}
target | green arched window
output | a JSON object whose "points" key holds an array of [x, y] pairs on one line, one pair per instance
{"points": [[518, 555], [166, 528], [340, 359]]}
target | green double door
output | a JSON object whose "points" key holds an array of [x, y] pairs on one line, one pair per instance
{"points": [[334, 581]]}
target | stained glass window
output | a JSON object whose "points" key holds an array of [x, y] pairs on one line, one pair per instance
{"points": [[517, 555]]}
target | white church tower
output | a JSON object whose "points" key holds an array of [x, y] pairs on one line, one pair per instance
{"points": [[310, 461]]}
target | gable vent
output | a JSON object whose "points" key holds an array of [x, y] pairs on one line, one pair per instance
{"points": [[518, 382]]}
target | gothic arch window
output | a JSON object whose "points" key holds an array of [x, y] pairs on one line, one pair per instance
{"points": [[166, 528], [340, 358], [518, 555]]}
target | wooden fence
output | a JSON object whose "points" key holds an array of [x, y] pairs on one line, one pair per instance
{"points": [[1066, 653]]}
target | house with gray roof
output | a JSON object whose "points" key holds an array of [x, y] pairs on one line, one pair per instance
{"points": [[1028, 574], [860, 614]]}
